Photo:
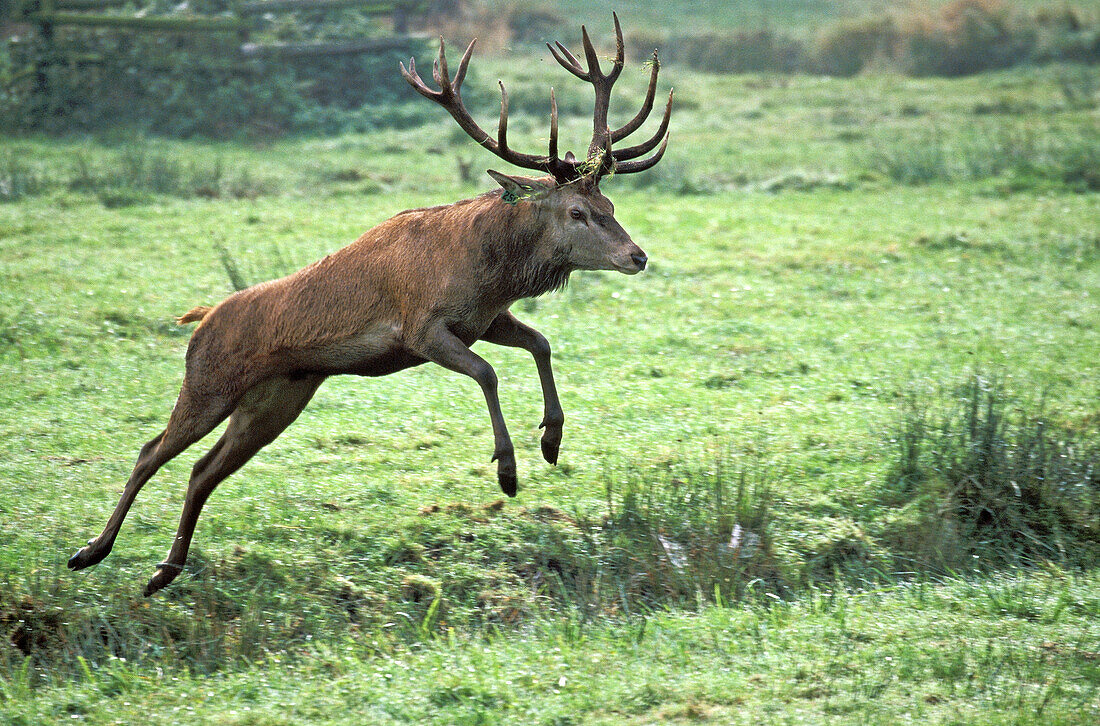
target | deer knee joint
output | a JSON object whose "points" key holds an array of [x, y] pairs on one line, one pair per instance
{"points": [[485, 376], [540, 346]]}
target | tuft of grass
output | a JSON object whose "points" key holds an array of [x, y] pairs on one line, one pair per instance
{"points": [[18, 179], [231, 267], [1079, 87], [244, 269], [138, 173], [994, 479], [676, 534], [1022, 156]]}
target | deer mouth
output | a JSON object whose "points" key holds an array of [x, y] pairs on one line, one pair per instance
{"points": [[634, 264], [629, 269]]}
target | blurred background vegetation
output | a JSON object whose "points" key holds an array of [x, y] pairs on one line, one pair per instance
{"points": [[833, 458], [216, 68]]}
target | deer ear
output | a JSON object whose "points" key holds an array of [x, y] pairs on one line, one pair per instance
{"points": [[521, 188]]}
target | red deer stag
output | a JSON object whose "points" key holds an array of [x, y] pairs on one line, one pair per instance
{"points": [[422, 286]]}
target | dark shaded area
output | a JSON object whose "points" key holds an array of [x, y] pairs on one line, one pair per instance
{"points": [[311, 70]]}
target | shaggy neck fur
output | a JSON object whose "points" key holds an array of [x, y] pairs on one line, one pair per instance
{"points": [[518, 261]]}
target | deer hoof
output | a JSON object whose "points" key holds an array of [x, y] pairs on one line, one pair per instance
{"points": [[508, 482], [87, 556], [166, 572], [550, 449]]}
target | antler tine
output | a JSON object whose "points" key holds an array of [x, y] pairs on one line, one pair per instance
{"points": [[651, 93], [553, 125], [620, 51], [569, 62], [590, 56], [416, 82], [439, 68], [629, 167], [502, 125], [448, 99], [463, 64], [633, 152]]}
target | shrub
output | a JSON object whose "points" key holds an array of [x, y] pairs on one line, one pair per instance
{"points": [[990, 477], [742, 52], [847, 47], [1064, 41], [967, 36], [962, 37]]}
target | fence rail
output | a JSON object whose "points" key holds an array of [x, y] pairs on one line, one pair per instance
{"points": [[162, 23], [244, 18], [88, 4], [302, 50], [373, 7]]}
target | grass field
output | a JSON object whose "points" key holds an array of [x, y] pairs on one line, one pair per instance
{"points": [[823, 254]]}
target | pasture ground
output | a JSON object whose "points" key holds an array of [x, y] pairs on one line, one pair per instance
{"points": [[822, 252]]}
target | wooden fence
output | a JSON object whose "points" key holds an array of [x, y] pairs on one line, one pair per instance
{"points": [[243, 20]]}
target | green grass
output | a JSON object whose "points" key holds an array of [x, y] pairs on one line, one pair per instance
{"points": [[1019, 651], [781, 328]]}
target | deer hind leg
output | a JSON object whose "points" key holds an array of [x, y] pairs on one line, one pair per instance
{"points": [[263, 413], [194, 416]]}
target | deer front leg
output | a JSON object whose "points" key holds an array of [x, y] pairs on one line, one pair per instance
{"points": [[508, 331], [441, 346]]}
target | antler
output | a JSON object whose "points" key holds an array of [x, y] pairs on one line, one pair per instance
{"points": [[449, 96], [600, 159], [602, 137]]}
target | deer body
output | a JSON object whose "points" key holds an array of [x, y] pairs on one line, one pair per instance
{"points": [[422, 286], [370, 308], [362, 309]]}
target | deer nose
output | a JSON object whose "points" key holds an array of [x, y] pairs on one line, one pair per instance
{"points": [[639, 259]]}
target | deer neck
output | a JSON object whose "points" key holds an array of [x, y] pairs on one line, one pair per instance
{"points": [[517, 257]]}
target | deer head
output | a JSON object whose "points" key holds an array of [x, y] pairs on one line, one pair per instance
{"points": [[580, 218]]}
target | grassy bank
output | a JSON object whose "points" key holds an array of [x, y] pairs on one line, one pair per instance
{"points": [[808, 309], [1019, 650]]}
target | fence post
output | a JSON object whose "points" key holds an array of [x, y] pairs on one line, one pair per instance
{"points": [[46, 58], [244, 34], [400, 18]]}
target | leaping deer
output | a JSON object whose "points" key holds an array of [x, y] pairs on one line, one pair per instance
{"points": [[422, 286]]}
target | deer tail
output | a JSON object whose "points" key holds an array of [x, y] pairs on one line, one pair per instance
{"points": [[194, 315]]}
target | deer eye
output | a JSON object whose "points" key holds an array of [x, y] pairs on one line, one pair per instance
{"points": [[576, 213]]}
